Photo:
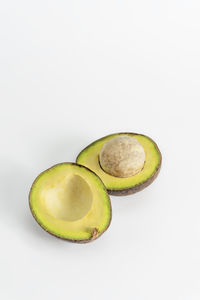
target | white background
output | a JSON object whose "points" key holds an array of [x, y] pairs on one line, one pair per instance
{"points": [[70, 73]]}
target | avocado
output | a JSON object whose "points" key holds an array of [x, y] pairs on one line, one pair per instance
{"points": [[126, 162], [70, 202]]}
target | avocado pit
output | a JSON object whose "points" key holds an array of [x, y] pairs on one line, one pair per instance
{"points": [[122, 156]]}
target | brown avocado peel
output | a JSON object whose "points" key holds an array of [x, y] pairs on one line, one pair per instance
{"points": [[141, 157], [70, 202]]}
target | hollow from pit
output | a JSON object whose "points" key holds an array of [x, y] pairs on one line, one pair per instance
{"points": [[70, 200]]}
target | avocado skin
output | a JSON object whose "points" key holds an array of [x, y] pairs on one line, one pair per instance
{"points": [[141, 186], [60, 237], [137, 188]]}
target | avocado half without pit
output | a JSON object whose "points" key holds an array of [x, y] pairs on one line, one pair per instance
{"points": [[126, 162], [70, 202]]}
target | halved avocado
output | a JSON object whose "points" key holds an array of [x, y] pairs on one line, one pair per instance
{"points": [[70, 202], [89, 157]]}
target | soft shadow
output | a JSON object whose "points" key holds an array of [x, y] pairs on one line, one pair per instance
{"points": [[132, 204]]}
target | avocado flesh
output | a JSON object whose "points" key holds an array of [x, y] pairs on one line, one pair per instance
{"points": [[89, 157], [70, 202]]}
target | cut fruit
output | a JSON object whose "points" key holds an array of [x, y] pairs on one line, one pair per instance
{"points": [[70, 202], [90, 157]]}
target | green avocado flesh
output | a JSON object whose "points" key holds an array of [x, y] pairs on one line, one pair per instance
{"points": [[70, 202], [89, 157]]}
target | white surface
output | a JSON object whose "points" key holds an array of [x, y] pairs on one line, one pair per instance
{"points": [[71, 72]]}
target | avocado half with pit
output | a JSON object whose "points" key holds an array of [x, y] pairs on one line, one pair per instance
{"points": [[126, 162], [70, 202]]}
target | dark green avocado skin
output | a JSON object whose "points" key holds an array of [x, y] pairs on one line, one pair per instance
{"points": [[141, 186], [136, 188]]}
